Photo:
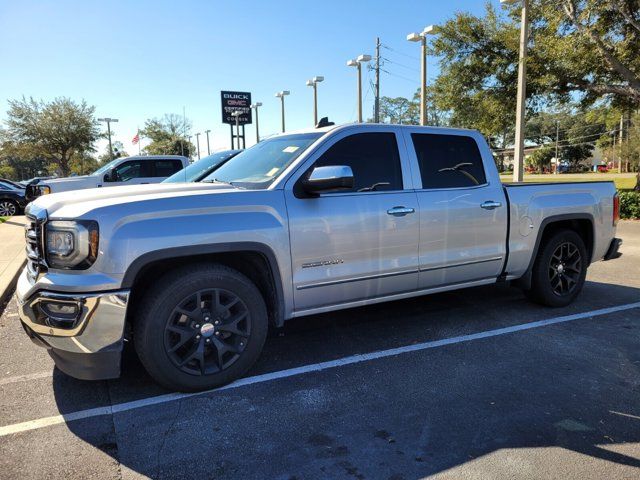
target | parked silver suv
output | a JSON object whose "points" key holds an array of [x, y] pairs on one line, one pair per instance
{"points": [[299, 224]]}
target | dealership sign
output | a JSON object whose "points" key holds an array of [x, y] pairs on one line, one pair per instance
{"points": [[234, 101]]}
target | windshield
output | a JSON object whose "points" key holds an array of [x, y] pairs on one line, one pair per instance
{"points": [[105, 167], [258, 166], [198, 170]]}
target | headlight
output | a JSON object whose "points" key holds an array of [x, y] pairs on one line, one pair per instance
{"points": [[71, 244], [44, 189]]}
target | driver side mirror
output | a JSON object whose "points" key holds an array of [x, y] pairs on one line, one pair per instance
{"points": [[111, 175], [332, 178]]}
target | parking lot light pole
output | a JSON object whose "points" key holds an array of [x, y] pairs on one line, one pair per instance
{"points": [[109, 121], [208, 149], [236, 114], [314, 83], [198, 144], [518, 159], [358, 64], [422, 38], [281, 96], [255, 106]]}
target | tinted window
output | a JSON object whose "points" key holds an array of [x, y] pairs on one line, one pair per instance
{"points": [[448, 161], [132, 169], [166, 168], [373, 157]]}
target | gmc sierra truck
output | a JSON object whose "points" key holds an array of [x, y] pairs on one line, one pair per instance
{"points": [[337, 217]]}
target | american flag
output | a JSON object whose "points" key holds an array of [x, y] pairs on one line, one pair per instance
{"points": [[136, 139]]}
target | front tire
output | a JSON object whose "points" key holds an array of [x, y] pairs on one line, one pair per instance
{"points": [[200, 327], [559, 270]]}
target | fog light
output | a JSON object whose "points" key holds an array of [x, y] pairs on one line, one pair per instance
{"points": [[60, 315]]}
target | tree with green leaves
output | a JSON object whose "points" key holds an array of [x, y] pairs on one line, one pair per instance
{"points": [[168, 135], [55, 131]]}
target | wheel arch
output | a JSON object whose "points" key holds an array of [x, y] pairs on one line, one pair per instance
{"points": [[254, 260], [581, 223]]}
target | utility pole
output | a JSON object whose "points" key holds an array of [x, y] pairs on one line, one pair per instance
{"points": [[208, 149], [557, 136], [518, 167], [376, 107], [109, 121], [620, 143]]}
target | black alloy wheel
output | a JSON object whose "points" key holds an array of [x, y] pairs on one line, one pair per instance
{"points": [[565, 269]]}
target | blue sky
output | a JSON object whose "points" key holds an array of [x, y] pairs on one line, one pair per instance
{"points": [[140, 59]]}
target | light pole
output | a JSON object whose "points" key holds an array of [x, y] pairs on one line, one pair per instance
{"points": [[422, 38], [208, 149], [281, 96], [109, 121], [255, 107], [314, 83], [358, 64], [189, 139], [518, 167], [198, 144]]}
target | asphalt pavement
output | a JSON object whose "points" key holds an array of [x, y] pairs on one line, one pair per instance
{"points": [[477, 383]]}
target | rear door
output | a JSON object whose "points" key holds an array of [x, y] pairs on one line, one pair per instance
{"points": [[355, 245], [163, 168], [463, 212]]}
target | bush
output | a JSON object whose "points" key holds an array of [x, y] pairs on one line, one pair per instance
{"points": [[629, 204]]}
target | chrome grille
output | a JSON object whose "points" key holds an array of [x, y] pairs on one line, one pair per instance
{"points": [[34, 239]]}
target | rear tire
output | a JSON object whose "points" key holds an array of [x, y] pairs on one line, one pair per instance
{"points": [[559, 270], [8, 208], [200, 327]]}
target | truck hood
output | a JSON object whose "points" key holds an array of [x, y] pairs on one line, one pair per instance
{"points": [[77, 203]]}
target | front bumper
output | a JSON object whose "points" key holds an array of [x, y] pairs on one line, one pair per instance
{"points": [[89, 345]]}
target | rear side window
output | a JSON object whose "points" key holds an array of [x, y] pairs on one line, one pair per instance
{"points": [[373, 157], [448, 161], [166, 168]]}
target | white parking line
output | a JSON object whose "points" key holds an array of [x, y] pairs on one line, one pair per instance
{"points": [[365, 357]]}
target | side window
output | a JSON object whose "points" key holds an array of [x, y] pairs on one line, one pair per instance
{"points": [[448, 161], [373, 157], [166, 168], [133, 169]]}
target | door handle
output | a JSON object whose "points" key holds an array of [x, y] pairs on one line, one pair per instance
{"points": [[400, 211], [490, 205]]}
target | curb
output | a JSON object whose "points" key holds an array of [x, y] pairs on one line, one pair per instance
{"points": [[5, 294]]}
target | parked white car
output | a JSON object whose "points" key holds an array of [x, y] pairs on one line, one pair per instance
{"points": [[137, 170]]}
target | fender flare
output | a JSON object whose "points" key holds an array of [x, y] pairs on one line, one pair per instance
{"points": [[525, 280], [192, 250]]}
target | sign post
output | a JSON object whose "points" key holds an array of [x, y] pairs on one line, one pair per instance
{"points": [[236, 110]]}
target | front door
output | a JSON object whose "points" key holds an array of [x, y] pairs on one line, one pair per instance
{"points": [[358, 244]]}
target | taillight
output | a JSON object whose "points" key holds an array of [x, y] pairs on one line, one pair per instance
{"points": [[616, 209]]}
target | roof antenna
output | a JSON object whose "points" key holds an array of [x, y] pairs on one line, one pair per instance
{"points": [[324, 122]]}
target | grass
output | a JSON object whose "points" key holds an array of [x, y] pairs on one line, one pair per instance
{"points": [[623, 181], [3, 219]]}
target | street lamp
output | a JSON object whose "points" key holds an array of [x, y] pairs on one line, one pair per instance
{"points": [[314, 83], [422, 38], [281, 96], [109, 121], [255, 107], [198, 144], [518, 167], [358, 64], [208, 149]]}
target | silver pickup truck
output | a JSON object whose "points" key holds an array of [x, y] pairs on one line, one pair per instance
{"points": [[338, 217]]}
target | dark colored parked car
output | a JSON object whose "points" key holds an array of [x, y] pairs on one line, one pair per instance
{"points": [[12, 198], [201, 168]]}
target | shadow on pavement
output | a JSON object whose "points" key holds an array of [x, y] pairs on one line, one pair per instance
{"points": [[573, 386]]}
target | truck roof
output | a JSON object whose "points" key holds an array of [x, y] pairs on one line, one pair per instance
{"points": [[156, 157], [371, 125]]}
